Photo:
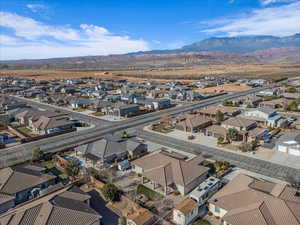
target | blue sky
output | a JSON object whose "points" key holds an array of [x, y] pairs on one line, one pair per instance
{"points": [[62, 28]]}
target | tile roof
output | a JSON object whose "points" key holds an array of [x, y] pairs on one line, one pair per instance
{"points": [[108, 146], [214, 109], [186, 205], [14, 180], [249, 201], [194, 121], [238, 122], [164, 168], [5, 198], [45, 211], [45, 122]]}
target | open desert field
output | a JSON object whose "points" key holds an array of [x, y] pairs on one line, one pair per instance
{"points": [[238, 71], [224, 88]]}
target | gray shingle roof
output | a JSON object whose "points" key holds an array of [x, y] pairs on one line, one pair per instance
{"points": [[52, 210]]}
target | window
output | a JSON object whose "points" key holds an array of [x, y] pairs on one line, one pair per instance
{"points": [[217, 209]]}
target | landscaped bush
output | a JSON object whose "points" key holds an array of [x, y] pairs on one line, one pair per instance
{"points": [[110, 192], [191, 137]]}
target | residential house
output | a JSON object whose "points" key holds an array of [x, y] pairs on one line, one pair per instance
{"points": [[111, 149], [193, 123], [239, 123], [276, 103], [257, 82], [48, 125], [166, 171], [193, 96], [266, 116], [125, 110], [213, 110], [267, 92], [291, 95], [24, 182], [258, 134], [101, 106], [131, 97], [44, 122], [247, 101], [154, 104], [289, 143], [9, 103], [246, 200], [186, 212], [77, 103], [68, 90], [216, 131], [205, 190], [113, 97], [67, 206]]}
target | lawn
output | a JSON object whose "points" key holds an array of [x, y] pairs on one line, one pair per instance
{"points": [[51, 167], [27, 131], [80, 110], [150, 194], [48, 164], [202, 222], [98, 114]]}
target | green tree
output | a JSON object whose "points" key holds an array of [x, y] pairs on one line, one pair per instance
{"points": [[122, 220], [221, 165], [248, 147], [110, 192], [232, 134], [125, 134], [37, 154], [293, 106], [72, 168], [219, 116], [220, 140], [292, 90]]}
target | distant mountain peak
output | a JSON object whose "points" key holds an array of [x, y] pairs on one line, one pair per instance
{"points": [[243, 44]]}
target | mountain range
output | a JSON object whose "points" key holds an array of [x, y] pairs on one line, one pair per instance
{"points": [[216, 50]]}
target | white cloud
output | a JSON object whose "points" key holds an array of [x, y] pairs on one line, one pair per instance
{"points": [[268, 2], [35, 7], [7, 40], [281, 21], [33, 39]]}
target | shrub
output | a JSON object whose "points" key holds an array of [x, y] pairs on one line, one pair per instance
{"points": [[122, 221], [110, 192], [191, 137], [37, 154], [72, 168], [220, 140]]}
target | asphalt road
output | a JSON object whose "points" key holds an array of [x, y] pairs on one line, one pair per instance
{"points": [[21, 153], [242, 161]]}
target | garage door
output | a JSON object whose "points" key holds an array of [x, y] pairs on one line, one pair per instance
{"points": [[295, 152], [282, 148]]}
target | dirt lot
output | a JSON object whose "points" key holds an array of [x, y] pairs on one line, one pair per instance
{"points": [[224, 88], [266, 71]]}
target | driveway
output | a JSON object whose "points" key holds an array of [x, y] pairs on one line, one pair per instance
{"points": [[98, 204]]}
